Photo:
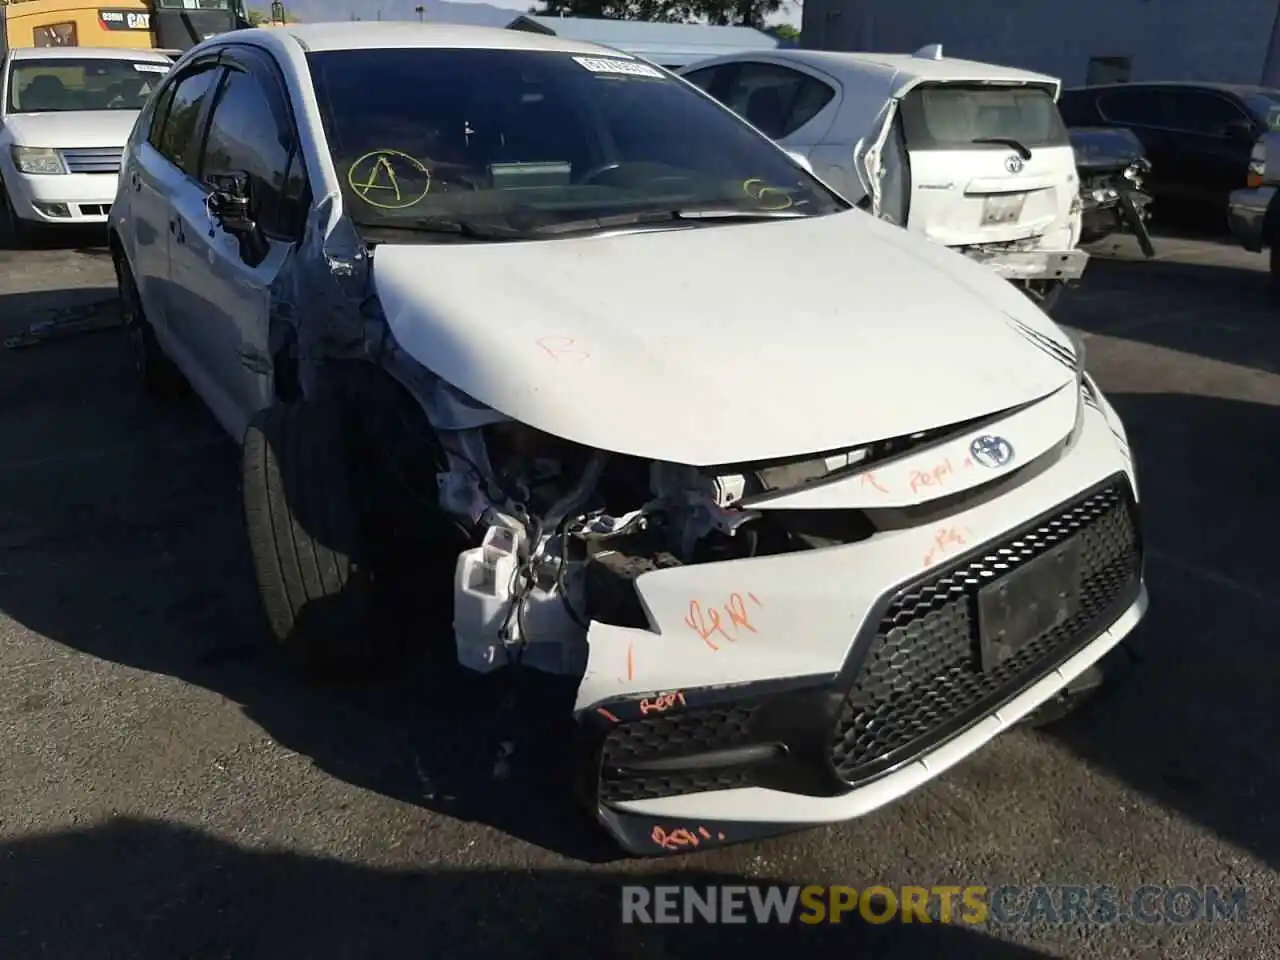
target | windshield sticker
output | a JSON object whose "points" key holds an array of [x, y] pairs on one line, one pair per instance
{"points": [[376, 178], [151, 68], [626, 67]]}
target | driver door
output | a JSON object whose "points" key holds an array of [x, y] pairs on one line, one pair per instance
{"points": [[227, 282]]}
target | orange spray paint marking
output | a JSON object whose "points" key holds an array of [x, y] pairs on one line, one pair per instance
{"points": [[944, 541], [706, 623], [933, 477], [737, 610], [662, 703], [869, 480], [631, 661], [675, 840], [562, 348]]}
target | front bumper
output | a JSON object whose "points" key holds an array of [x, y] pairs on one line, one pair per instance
{"points": [[1247, 216], [1062, 265], [705, 764], [67, 198]]}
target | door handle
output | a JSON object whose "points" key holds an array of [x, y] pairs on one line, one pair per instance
{"points": [[135, 180], [175, 228]]}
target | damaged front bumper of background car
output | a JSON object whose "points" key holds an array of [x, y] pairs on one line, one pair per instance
{"points": [[763, 645]]}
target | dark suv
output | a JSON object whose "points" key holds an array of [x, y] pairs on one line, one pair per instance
{"points": [[1198, 136]]}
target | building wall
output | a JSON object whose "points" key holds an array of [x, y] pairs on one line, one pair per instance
{"points": [[1230, 41]]}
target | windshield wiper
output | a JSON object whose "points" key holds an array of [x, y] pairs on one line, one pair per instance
{"points": [[644, 217], [1023, 151], [467, 229]]}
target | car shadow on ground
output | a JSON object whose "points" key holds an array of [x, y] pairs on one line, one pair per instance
{"points": [[1195, 724], [121, 537], [91, 240], [1218, 312], [135, 888]]}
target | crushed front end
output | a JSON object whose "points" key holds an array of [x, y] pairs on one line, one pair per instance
{"points": [[766, 647]]}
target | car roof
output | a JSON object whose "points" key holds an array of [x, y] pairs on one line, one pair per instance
{"points": [[88, 53], [899, 71], [1239, 89], [383, 34]]}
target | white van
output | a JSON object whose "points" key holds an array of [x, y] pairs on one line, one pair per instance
{"points": [[971, 155]]}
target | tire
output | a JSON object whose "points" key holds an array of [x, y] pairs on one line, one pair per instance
{"points": [[1273, 260], [304, 529], [14, 232], [156, 372]]}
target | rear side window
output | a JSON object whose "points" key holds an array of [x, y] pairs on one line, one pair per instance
{"points": [[776, 100], [958, 116], [1076, 108], [703, 78], [1138, 107]]}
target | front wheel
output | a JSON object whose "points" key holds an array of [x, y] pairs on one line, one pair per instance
{"points": [[309, 550]]}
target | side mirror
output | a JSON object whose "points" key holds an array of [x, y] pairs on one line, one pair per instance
{"points": [[230, 203]]}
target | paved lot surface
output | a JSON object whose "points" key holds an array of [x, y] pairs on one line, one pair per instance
{"points": [[168, 789]]}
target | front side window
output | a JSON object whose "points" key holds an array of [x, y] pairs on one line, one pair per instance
{"points": [[1206, 113], [245, 137], [533, 139], [61, 85], [971, 116], [1265, 107], [179, 138]]}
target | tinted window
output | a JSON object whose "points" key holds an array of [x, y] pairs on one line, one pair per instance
{"points": [[958, 115], [245, 135], [51, 86], [179, 137], [776, 100], [703, 78], [1265, 107], [532, 138], [1139, 107], [1204, 112], [1076, 108], [159, 114]]}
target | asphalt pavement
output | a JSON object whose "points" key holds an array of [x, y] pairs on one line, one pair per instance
{"points": [[169, 789]]}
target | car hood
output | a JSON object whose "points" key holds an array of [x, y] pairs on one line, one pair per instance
{"points": [[71, 129], [723, 344]]}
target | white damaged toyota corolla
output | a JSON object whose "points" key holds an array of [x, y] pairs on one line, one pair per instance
{"points": [[809, 508]]}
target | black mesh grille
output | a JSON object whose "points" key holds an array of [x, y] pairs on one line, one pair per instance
{"points": [[922, 679], [670, 737]]}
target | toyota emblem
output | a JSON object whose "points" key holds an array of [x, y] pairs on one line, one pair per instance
{"points": [[1013, 163], [991, 452]]}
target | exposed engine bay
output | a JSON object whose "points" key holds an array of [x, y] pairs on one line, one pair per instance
{"points": [[563, 532]]}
